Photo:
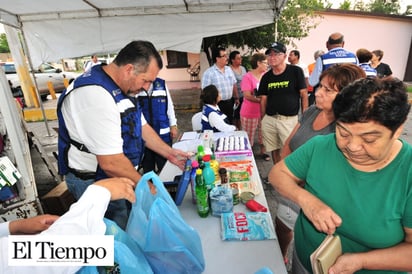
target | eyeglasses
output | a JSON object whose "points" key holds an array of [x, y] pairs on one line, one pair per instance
{"points": [[223, 56], [272, 54], [264, 62]]}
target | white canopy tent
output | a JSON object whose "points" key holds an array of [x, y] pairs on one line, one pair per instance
{"points": [[62, 29], [70, 28]]}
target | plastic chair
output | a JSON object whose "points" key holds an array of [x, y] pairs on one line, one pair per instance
{"points": [[197, 121]]}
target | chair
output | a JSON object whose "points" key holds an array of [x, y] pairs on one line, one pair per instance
{"points": [[197, 121]]}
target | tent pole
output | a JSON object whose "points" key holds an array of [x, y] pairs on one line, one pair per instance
{"points": [[26, 49]]}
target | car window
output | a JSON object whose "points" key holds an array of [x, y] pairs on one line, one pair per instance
{"points": [[46, 68], [9, 68]]}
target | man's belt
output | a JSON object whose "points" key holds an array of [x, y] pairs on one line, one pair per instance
{"points": [[84, 175]]}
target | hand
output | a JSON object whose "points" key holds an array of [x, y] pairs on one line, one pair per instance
{"points": [[178, 158], [173, 132], [346, 264], [119, 188], [33, 225], [322, 216]]}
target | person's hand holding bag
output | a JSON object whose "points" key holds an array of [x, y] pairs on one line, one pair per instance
{"points": [[119, 188]]}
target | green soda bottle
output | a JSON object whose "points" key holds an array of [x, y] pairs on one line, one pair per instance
{"points": [[202, 195]]}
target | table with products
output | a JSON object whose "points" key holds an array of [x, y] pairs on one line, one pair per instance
{"points": [[227, 256]]}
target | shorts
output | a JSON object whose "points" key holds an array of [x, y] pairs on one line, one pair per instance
{"points": [[276, 129], [287, 215]]}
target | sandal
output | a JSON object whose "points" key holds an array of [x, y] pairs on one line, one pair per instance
{"points": [[265, 157]]}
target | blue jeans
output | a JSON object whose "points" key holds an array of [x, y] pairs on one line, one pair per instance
{"points": [[117, 211]]}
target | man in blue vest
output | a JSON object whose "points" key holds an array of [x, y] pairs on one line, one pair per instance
{"points": [[336, 55], [157, 107], [101, 128]]}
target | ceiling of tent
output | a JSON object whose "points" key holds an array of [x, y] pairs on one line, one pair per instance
{"points": [[71, 28]]}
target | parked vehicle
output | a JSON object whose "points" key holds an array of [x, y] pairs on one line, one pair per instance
{"points": [[43, 74]]}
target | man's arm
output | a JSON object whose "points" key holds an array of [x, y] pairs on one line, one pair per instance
{"points": [[206, 78], [171, 115], [263, 101], [155, 143], [118, 165], [314, 77]]}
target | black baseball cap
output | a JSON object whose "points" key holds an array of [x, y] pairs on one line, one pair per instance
{"points": [[277, 47]]}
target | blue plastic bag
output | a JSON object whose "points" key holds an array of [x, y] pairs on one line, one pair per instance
{"points": [[168, 242], [127, 253]]}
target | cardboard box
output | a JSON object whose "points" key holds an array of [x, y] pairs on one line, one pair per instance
{"points": [[58, 200]]}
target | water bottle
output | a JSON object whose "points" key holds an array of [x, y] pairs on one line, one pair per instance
{"points": [[195, 166], [209, 175], [202, 195]]}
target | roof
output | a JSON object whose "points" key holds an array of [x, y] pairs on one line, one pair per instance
{"points": [[62, 29]]}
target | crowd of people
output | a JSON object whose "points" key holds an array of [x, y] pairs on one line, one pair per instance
{"points": [[338, 162]]}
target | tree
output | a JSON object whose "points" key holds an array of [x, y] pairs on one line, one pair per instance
{"points": [[345, 5], [408, 10], [294, 22], [4, 46], [385, 6]]}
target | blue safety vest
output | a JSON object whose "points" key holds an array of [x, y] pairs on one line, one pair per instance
{"points": [[338, 56], [131, 125], [154, 107], [370, 71], [205, 118]]}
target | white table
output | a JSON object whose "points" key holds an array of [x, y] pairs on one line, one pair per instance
{"points": [[240, 257]]}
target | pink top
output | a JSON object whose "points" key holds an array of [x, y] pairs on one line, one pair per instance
{"points": [[249, 109]]}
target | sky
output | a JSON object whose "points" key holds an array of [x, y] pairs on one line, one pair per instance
{"points": [[402, 3]]}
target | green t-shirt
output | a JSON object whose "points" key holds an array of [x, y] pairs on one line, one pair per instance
{"points": [[374, 206]]}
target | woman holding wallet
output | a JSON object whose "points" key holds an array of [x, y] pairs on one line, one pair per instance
{"points": [[316, 120], [358, 183]]}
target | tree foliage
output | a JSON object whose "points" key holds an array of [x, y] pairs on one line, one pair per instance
{"points": [[345, 5], [375, 6], [384, 6], [294, 22], [4, 45]]}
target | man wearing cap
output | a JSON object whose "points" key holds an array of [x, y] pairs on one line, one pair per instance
{"points": [[336, 55], [283, 93]]}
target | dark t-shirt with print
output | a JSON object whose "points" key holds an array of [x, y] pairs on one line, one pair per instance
{"points": [[283, 91]]}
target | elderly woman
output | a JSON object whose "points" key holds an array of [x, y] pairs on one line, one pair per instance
{"points": [[212, 117], [358, 183], [316, 120]]}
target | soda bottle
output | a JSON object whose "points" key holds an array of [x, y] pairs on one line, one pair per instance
{"points": [[195, 166], [199, 155], [214, 164], [208, 173], [202, 195]]}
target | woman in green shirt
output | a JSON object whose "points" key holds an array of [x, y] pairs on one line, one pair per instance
{"points": [[358, 182]]}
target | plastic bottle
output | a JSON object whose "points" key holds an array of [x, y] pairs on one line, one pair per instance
{"points": [[208, 173], [195, 166], [214, 164], [202, 195], [200, 154]]}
